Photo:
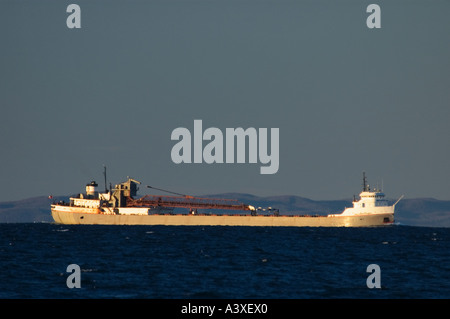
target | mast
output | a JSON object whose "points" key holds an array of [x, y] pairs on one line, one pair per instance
{"points": [[104, 174], [365, 186]]}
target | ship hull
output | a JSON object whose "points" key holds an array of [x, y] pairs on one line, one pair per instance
{"points": [[66, 215]]}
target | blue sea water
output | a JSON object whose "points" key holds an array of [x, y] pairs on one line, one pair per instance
{"points": [[223, 262]]}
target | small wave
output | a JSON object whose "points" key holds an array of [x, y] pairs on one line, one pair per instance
{"points": [[88, 269]]}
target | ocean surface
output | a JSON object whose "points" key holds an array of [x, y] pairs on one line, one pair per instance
{"points": [[222, 262]]}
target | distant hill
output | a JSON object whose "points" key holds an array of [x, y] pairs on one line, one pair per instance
{"points": [[414, 212], [35, 209]]}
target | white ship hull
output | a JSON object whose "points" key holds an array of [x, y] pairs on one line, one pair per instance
{"points": [[72, 215]]}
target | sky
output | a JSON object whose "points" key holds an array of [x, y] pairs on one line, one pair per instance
{"points": [[345, 98]]}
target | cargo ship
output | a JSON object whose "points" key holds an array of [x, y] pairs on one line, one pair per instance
{"points": [[118, 206]]}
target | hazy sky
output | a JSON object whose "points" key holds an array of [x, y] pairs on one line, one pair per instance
{"points": [[345, 98]]}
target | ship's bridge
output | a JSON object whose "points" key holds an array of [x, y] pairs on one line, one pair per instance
{"points": [[371, 199]]}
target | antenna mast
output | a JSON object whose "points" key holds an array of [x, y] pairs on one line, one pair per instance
{"points": [[104, 173], [365, 186]]}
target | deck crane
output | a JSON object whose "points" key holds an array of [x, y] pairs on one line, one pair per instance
{"points": [[125, 191]]}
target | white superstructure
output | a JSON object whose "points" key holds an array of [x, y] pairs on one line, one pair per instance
{"points": [[370, 202]]}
